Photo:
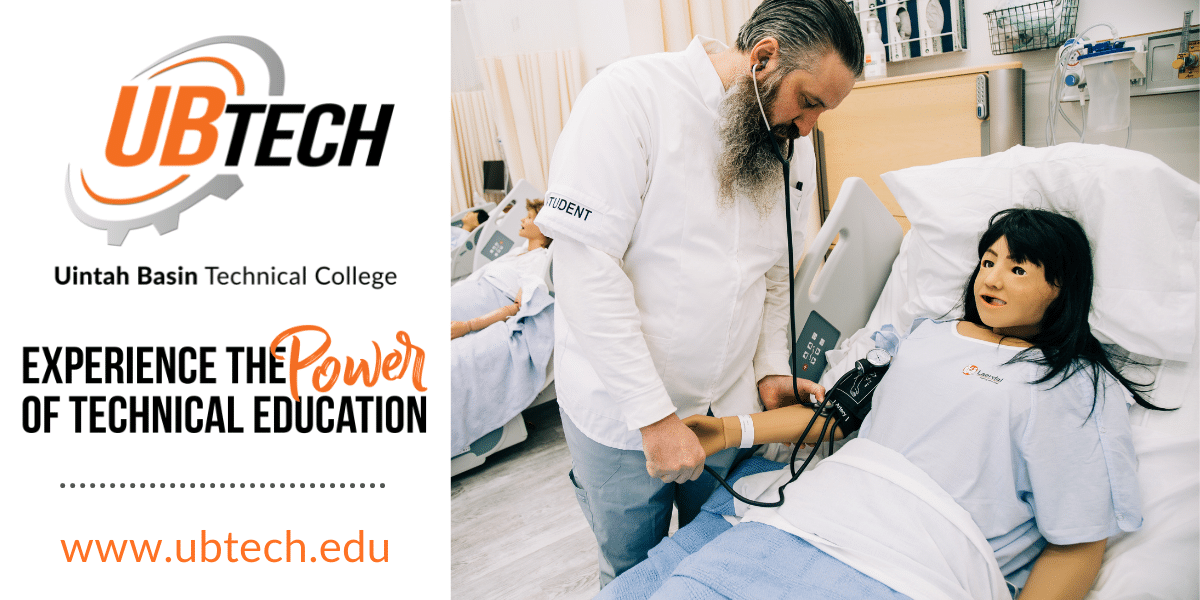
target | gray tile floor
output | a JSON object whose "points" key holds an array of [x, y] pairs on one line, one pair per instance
{"points": [[516, 530]]}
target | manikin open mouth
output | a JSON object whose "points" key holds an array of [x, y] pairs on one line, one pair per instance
{"points": [[992, 300]]}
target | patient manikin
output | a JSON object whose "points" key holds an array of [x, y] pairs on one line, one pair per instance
{"points": [[1016, 414], [502, 338], [470, 221], [502, 278], [474, 219]]}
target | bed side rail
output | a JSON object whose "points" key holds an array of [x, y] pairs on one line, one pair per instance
{"points": [[834, 296]]}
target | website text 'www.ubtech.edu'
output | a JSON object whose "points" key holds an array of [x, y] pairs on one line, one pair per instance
{"points": [[214, 549]]}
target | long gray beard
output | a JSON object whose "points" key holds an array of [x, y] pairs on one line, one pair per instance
{"points": [[746, 165]]}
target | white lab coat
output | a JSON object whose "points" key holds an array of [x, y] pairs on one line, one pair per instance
{"points": [[667, 301]]}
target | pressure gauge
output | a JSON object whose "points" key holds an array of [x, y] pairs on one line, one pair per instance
{"points": [[879, 357]]}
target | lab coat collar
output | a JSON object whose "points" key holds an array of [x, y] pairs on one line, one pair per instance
{"points": [[711, 88]]}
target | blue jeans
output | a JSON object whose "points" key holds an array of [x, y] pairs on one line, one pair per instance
{"points": [[628, 510]]}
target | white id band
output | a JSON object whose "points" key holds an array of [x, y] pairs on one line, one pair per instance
{"points": [[747, 431]]}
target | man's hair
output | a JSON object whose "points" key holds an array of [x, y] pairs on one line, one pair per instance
{"points": [[481, 215], [805, 30]]}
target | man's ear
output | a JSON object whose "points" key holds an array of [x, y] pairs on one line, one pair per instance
{"points": [[764, 55]]}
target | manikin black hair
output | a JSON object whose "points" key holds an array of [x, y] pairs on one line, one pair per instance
{"points": [[1059, 245]]}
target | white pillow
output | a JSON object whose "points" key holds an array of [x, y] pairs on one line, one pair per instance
{"points": [[1140, 216]]}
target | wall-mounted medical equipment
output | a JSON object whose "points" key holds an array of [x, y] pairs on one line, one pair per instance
{"points": [[913, 28], [1103, 76], [1106, 73], [1016, 27], [1100, 73], [1187, 60]]}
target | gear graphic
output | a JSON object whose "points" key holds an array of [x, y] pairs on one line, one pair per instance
{"points": [[165, 220], [221, 186]]}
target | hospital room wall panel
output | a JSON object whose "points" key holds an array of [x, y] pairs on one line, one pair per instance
{"points": [[899, 123], [1164, 126]]}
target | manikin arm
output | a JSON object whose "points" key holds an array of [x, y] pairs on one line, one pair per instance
{"points": [[1064, 572], [782, 425], [461, 328]]}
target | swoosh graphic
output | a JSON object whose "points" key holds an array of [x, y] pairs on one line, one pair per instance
{"points": [[124, 201], [269, 57], [237, 76]]}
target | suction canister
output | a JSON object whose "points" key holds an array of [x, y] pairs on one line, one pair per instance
{"points": [[1106, 71]]}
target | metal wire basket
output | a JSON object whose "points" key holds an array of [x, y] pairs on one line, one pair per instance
{"points": [[1032, 26]]}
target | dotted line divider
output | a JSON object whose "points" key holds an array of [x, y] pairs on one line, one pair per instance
{"points": [[221, 486]]}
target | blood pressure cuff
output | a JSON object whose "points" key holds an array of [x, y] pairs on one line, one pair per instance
{"points": [[850, 398]]}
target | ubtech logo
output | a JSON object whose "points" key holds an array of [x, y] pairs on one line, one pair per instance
{"points": [[146, 192]]}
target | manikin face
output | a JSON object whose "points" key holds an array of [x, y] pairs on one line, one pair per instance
{"points": [[470, 221], [1011, 297], [529, 229]]}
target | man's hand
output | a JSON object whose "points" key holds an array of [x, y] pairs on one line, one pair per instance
{"points": [[673, 453], [775, 391]]}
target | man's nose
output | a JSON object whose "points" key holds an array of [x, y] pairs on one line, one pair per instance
{"points": [[806, 121]]}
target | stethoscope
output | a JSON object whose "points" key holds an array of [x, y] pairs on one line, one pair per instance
{"points": [[817, 410]]}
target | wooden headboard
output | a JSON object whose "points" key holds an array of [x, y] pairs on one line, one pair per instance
{"points": [[913, 120]]}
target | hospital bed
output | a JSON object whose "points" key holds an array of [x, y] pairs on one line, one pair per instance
{"points": [[1142, 218], [512, 432], [496, 236]]}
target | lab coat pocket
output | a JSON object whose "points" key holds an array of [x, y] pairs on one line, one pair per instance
{"points": [[770, 240]]}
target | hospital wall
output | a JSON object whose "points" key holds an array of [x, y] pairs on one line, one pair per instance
{"points": [[1167, 125]]}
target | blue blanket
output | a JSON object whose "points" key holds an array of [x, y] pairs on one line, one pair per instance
{"points": [[497, 372], [711, 559]]}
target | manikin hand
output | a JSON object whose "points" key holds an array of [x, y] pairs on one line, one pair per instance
{"points": [[459, 329], [775, 391], [673, 453]]}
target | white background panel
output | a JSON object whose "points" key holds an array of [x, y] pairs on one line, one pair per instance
{"points": [[68, 62]]}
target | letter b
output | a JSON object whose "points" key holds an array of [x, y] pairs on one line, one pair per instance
{"points": [[181, 121]]}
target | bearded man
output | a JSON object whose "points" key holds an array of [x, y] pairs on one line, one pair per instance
{"points": [[670, 259]]}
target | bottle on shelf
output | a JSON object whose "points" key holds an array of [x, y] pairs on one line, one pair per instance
{"points": [[874, 63]]}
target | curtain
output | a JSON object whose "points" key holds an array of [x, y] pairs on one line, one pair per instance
{"points": [[531, 96], [684, 19], [473, 140]]}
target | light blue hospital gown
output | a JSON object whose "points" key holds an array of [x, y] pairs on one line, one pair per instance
{"points": [[1031, 463]]}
